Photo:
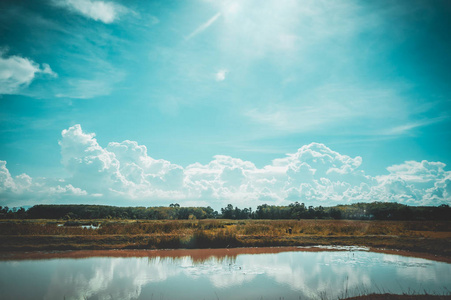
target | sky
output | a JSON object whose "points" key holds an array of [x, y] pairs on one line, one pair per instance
{"points": [[205, 102]]}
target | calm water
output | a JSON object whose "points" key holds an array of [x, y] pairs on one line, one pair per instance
{"points": [[220, 274]]}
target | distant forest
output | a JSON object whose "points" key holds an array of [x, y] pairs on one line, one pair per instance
{"points": [[296, 210]]}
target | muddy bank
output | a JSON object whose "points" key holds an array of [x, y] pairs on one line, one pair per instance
{"points": [[400, 297], [430, 247]]}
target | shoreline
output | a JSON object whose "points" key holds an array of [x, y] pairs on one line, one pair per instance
{"points": [[202, 254], [428, 246], [431, 239], [388, 296]]}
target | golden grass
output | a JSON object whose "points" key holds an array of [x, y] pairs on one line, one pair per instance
{"points": [[423, 236]]}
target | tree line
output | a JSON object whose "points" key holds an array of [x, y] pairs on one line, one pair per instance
{"points": [[296, 210], [68, 212], [357, 211]]}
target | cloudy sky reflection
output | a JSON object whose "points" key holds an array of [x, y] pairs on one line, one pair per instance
{"points": [[285, 274]]}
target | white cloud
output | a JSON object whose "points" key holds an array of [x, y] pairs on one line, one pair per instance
{"points": [[104, 11], [221, 75], [47, 70], [91, 166], [124, 173], [18, 72], [204, 26], [24, 190], [6, 181], [416, 182], [414, 171]]}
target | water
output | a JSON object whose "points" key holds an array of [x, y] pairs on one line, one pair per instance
{"points": [[221, 274], [90, 226]]}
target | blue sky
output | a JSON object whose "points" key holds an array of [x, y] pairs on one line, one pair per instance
{"points": [[248, 80]]}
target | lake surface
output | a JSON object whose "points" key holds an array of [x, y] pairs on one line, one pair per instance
{"points": [[274, 273]]}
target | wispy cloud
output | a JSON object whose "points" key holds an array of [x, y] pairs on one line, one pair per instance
{"points": [[289, 119], [81, 88], [354, 110], [106, 12], [203, 26], [18, 72], [408, 127]]}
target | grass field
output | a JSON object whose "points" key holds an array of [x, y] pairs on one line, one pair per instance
{"points": [[425, 236]]}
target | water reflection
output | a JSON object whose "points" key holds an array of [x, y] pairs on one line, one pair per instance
{"points": [[100, 278], [211, 274]]}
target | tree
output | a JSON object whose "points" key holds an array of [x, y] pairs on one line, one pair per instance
{"points": [[227, 212], [335, 213]]}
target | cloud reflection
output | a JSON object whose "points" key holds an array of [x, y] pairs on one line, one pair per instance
{"points": [[288, 274]]}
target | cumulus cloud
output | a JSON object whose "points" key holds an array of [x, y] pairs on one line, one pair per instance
{"points": [[314, 174], [103, 11], [6, 181], [416, 182], [24, 190], [18, 72]]}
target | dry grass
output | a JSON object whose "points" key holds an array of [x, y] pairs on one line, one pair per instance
{"points": [[239, 227], [425, 236]]}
